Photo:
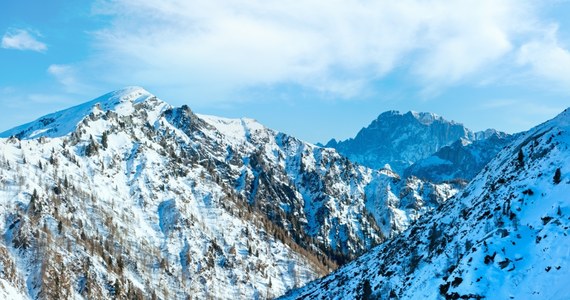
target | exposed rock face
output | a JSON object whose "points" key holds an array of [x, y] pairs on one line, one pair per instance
{"points": [[462, 160], [126, 196], [400, 140], [504, 237]]}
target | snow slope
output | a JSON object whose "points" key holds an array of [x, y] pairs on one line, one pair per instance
{"points": [[504, 237], [126, 196], [64, 122], [462, 160]]}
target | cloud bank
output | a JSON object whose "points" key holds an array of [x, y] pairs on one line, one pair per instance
{"points": [[20, 39], [338, 47], [547, 57]]}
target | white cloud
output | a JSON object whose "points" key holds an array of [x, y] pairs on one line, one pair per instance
{"points": [[66, 76], [546, 57], [337, 47], [21, 39]]}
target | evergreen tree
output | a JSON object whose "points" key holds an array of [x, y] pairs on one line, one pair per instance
{"points": [[33, 206], [117, 287], [91, 148], [434, 236], [520, 158], [557, 176], [366, 290], [104, 140]]}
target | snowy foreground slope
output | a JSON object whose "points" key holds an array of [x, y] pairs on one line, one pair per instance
{"points": [[504, 237], [126, 196]]}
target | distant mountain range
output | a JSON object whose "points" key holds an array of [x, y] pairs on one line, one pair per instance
{"points": [[504, 237], [462, 160], [401, 140], [127, 196]]}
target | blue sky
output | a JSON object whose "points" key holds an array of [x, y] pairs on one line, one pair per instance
{"points": [[316, 69]]}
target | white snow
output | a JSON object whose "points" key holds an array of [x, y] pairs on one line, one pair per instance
{"points": [[504, 237], [180, 199]]}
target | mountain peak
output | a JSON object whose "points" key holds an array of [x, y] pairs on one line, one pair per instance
{"points": [[65, 121], [389, 113], [427, 118], [563, 119], [400, 139], [146, 199], [505, 236], [129, 93], [110, 101], [130, 89]]}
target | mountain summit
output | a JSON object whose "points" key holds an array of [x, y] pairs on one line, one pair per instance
{"points": [[504, 237], [126, 196], [401, 139], [61, 123]]}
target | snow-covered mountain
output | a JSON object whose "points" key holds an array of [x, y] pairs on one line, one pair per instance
{"points": [[504, 237], [127, 196], [462, 160], [400, 140]]}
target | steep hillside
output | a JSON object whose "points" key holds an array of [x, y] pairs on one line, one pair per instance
{"points": [[504, 237], [126, 196], [400, 140], [111, 210], [462, 160]]}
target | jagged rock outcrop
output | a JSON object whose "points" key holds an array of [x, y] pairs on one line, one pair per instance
{"points": [[126, 196], [504, 237], [400, 140], [462, 160]]}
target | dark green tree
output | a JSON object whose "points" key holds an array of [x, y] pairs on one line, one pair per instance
{"points": [[520, 158], [433, 237], [557, 176], [91, 148], [33, 205], [117, 287], [104, 140], [366, 290]]}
